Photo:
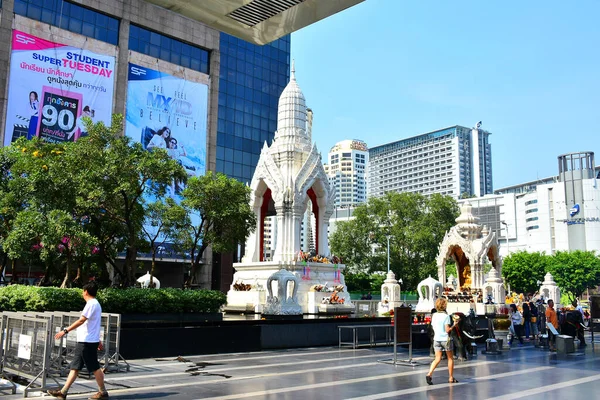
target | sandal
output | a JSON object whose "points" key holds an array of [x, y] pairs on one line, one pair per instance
{"points": [[453, 381], [428, 379]]}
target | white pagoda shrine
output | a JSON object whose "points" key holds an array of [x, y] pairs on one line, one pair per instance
{"points": [[288, 177]]}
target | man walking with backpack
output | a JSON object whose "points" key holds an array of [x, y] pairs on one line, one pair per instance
{"points": [[88, 342]]}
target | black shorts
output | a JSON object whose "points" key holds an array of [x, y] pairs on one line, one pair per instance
{"points": [[86, 353]]}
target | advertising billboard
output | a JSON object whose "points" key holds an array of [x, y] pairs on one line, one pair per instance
{"points": [[52, 86], [171, 113], [167, 112]]}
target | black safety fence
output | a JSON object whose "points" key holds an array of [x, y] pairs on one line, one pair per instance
{"points": [[29, 350]]}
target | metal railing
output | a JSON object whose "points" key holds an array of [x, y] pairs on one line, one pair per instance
{"points": [[28, 348]]}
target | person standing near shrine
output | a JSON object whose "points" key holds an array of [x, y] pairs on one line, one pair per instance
{"points": [[442, 326], [551, 318]]}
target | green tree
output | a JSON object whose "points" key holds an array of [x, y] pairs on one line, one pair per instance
{"points": [[41, 181], [220, 216], [522, 270], [575, 271], [55, 234], [415, 225], [11, 201], [164, 220], [114, 178]]}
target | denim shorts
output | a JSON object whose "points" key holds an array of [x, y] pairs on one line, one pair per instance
{"points": [[446, 345]]}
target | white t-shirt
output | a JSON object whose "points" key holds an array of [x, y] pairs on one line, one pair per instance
{"points": [[439, 320], [89, 332]]}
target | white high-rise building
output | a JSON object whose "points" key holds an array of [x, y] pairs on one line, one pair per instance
{"points": [[347, 172], [451, 161]]}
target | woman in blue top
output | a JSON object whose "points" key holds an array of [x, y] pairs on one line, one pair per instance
{"points": [[442, 325]]}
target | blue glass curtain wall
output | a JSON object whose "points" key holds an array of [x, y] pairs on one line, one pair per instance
{"points": [[251, 80], [166, 48], [71, 17]]}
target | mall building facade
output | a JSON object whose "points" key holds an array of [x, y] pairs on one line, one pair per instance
{"points": [[558, 213], [242, 81]]}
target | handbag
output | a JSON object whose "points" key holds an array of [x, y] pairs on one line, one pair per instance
{"points": [[534, 319]]}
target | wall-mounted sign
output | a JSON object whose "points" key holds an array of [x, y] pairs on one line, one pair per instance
{"points": [[578, 221], [574, 210]]}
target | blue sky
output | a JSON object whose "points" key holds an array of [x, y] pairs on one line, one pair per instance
{"points": [[385, 70]]}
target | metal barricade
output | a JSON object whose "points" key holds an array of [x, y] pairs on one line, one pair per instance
{"points": [[49, 357], [6, 384], [113, 359], [27, 345]]}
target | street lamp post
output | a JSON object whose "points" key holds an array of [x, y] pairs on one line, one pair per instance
{"points": [[388, 252]]}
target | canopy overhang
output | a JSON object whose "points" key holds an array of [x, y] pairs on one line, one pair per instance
{"points": [[256, 21]]}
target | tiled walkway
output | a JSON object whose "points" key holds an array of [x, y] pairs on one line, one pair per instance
{"points": [[331, 373]]}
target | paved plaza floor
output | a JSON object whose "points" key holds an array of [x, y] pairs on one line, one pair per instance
{"points": [[333, 373]]}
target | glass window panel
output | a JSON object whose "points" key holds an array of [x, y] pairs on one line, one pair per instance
{"points": [[112, 37], [34, 12], [47, 17], [229, 127], [220, 139], [239, 117], [228, 168], [165, 54], [247, 132], [76, 11], [101, 34], [89, 16], [237, 169], [87, 29], [20, 7], [185, 61], [176, 46], [144, 34], [228, 154], [220, 166], [239, 130], [154, 38], [75, 25], [154, 51], [229, 141], [220, 153], [102, 20], [237, 143]]}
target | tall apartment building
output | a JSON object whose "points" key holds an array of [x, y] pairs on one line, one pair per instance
{"points": [[451, 161], [162, 67], [347, 172]]}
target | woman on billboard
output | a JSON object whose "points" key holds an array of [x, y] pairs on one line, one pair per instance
{"points": [[34, 106]]}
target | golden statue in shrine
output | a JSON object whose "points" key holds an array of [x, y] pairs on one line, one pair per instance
{"points": [[467, 276]]}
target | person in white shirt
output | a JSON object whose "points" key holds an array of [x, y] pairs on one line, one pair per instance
{"points": [[442, 326], [88, 342]]}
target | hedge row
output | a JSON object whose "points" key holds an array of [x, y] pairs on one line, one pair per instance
{"points": [[121, 301]]}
